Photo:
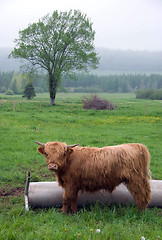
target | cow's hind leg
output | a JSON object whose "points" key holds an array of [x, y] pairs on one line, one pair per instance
{"points": [[140, 191], [74, 205]]}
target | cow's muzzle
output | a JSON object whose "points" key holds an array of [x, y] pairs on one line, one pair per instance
{"points": [[53, 167]]}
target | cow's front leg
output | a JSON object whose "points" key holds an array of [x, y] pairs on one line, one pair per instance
{"points": [[69, 198], [65, 205]]}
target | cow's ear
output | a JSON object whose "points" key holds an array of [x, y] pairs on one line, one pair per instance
{"points": [[41, 149], [70, 150]]}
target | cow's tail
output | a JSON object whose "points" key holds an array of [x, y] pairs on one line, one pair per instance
{"points": [[146, 161]]}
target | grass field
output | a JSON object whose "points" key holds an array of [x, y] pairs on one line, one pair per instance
{"points": [[24, 121]]}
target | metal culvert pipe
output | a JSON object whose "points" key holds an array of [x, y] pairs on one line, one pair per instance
{"points": [[49, 194]]}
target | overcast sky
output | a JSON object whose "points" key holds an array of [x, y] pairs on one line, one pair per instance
{"points": [[119, 24]]}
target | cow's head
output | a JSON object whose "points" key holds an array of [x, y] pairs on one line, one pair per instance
{"points": [[56, 154]]}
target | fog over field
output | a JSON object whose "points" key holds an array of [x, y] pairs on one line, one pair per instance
{"points": [[126, 24], [128, 33], [110, 61]]}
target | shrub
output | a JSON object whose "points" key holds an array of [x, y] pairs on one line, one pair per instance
{"points": [[149, 94], [157, 95], [3, 89], [9, 92], [29, 91], [144, 94], [96, 103]]}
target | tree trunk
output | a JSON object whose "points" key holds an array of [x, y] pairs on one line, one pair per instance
{"points": [[52, 101], [52, 88]]}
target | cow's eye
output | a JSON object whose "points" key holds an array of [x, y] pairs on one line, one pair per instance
{"points": [[46, 154]]}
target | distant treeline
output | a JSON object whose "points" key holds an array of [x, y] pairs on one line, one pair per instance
{"points": [[89, 83], [16, 82], [112, 83]]}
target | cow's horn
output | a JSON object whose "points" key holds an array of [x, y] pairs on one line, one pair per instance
{"points": [[71, 146], [39, 143]]}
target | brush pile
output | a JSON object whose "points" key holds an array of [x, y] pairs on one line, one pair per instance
{"points": [[96, 103]]}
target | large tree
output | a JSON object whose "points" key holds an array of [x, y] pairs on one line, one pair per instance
{"points": [[59, 43]]}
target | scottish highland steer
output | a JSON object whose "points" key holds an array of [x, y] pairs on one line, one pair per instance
{"points": [[91, 169]]}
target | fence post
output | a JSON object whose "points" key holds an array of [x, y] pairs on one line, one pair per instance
{"points": [[71, 109], [145, 109]]}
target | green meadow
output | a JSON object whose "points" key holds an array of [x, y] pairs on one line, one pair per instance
{"points": [[22, 122]]}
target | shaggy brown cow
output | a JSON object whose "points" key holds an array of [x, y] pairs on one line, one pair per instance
{"points": [[92, 169]]}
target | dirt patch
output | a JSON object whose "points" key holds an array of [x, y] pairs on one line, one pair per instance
{"points": [[6, 192], [10, 191]]}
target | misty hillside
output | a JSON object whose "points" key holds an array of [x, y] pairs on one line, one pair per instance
{"points": [[8, 64], [137, 61], [111, 60]]}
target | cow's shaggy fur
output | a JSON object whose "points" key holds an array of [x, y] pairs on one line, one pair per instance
{"points": [[92, 169]]}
